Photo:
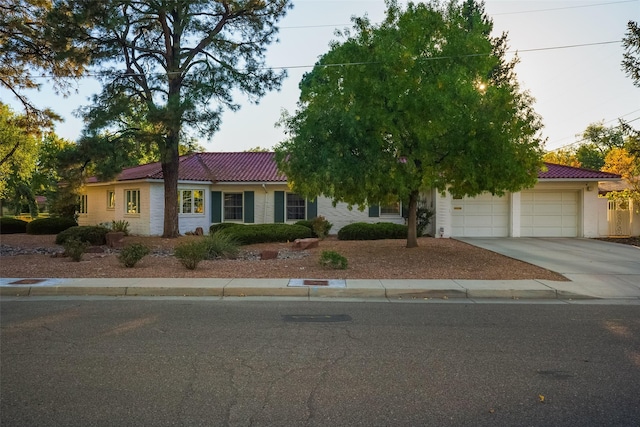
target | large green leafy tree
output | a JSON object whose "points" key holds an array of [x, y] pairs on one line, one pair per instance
{"points": [[424, 100], [599, 140], [171, 65]]}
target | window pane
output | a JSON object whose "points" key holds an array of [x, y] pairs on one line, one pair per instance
{"points": [[233, 206], [295, 207], [390, 209], [186, 201], [133, 199], [111, 199], [198, 201]]}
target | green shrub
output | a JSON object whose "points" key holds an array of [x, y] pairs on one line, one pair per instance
{"points": [[221, 245], [332, 259], [222, 226], [53, 225], [132, 253], [12, 225], [92, 234], [74, 248], [191, 253], [121, 225], [320, 227], [423, 218], [265, 233], [377, 231]]}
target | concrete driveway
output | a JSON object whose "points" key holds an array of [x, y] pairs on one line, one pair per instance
{"points": [[603, 269]]}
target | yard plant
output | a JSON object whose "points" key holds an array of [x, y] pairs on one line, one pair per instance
{"points": [[132, 253], [333, 260], [191, 253]]}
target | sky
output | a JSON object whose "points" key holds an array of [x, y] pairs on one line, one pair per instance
{"points": [[570, 54]]}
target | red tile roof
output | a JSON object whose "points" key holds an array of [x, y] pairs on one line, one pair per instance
{"points": [[261, 167], [214, 167], [555, 171]]}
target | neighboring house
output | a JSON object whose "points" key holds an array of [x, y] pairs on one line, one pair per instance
{"points": [[623, 215], [248, 188]]}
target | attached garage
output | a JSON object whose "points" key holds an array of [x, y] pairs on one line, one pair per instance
{"points": [[549, 214], [482, 216]]}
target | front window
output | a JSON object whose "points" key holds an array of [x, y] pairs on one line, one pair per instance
{"points": [[233, 207], [132, 201], [111, 199], [393, 209], [191, 201], [84, 199], [295, 207]]}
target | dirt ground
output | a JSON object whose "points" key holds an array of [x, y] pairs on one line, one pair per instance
{"points": [[379, 259]]}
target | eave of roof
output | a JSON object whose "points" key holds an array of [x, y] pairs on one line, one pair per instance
{"points": [[555, 172]]}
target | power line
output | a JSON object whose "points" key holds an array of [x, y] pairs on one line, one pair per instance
{"points": [[563, 8]]}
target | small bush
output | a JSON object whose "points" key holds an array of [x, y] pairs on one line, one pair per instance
{"points": [[333, 260], [131, 254], [121, 225], [52, 225], [92, 234], [222, 226], [265, 233], [74, 248], [377, 231], [320, 227], [221, 245], [12, 225], [191, 253]]}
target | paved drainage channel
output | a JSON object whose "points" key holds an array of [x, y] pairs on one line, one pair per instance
{"points": [[331, 283], [316, 318]]}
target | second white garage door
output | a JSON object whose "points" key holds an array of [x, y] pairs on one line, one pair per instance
{"points": [[549, 214], [481, 216]]}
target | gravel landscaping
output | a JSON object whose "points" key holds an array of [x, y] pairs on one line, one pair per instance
{"points": [[29, 256]]}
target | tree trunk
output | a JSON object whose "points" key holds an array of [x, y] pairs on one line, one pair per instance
{"points": [[170, 165], [412, 233]]}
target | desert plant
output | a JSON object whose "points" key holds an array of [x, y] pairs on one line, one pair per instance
{"points": [[365, 231], [93, 234], [320, 226], [10, 225], [132, 253], [120, 225], [265, 233], [333, 260], [53, 225], [221, 245], [74, 248], [191, 253]]}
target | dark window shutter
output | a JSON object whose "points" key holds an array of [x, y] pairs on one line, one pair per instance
{"points": [[374, 211], [249, 207], [278, 205], [312, 208], [405, 210], [216, 207]]}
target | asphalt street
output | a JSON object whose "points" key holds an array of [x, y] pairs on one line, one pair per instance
{"points": [[86, 362]]}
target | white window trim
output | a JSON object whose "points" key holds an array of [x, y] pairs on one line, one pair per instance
{"points": [[286, 208], [111, 195], [126, 201], [241, 219], [192, 213], [83, 209]]}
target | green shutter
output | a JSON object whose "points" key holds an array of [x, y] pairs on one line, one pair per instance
{"points": [[404, 209], [278, 205], [216, 207], [312, 208], [249, 207], [374, 211]]}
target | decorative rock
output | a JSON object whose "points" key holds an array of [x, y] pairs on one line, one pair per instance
{"points": [[302, 244], [266, 254], [199, 231], [115, 239], [94, 250]]}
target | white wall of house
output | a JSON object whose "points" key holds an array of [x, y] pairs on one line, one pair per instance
{"points": [[341, 215]]}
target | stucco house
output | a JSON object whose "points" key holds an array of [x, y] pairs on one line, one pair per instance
{"points": [[248, 188]]}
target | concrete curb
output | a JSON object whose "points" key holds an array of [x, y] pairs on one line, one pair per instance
{"points": [[359, 289]]}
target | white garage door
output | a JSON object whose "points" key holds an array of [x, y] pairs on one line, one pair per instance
{"points": [[481, 216], [549, 214]]}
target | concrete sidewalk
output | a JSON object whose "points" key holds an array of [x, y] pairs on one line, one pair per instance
{"points": [[362, 289]]}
